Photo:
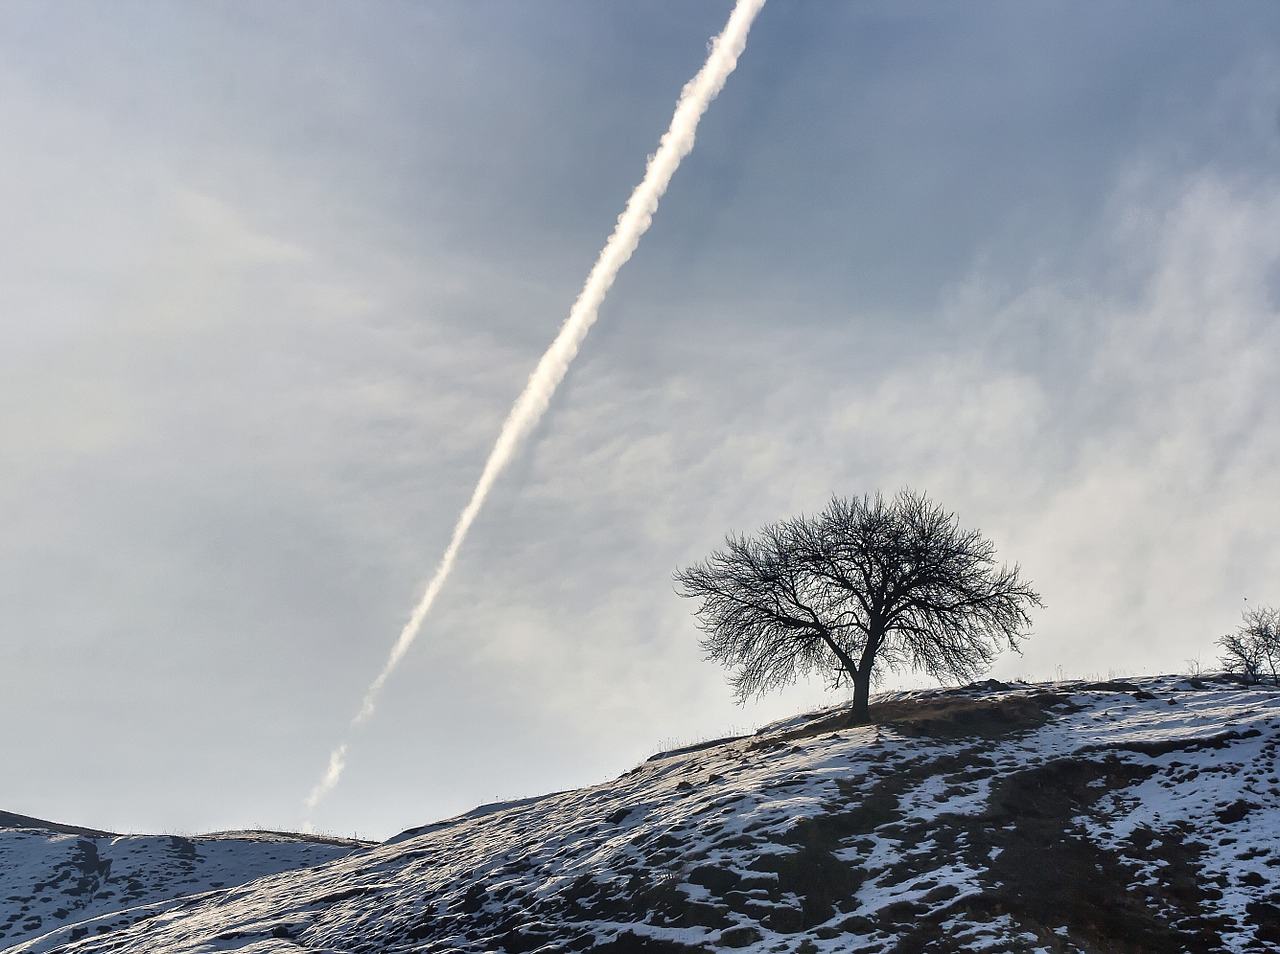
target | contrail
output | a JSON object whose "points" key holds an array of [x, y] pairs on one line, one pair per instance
{"points": [[546, 377]]}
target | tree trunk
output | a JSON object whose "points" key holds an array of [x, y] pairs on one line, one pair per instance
{"points": [[860, 714]]}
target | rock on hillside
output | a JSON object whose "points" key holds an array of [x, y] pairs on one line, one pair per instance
{"points": [[60, 882], [1135, 817]]}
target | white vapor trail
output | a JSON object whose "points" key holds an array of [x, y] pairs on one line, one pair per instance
{"points": [[528, 409]]}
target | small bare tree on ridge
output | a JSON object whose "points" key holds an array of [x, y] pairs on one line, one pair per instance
{"points": [[1253, 650], [864, 586]]}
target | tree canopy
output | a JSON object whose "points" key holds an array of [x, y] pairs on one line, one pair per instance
{"points": [[867, 585], [1253, 650]]}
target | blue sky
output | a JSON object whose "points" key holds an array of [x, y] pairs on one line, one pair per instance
{"points": [[273, 275]]}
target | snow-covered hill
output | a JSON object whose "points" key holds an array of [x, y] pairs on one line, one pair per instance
{"points": [[61, 883], [1136, 817]]}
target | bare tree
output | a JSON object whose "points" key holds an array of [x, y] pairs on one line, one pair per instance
{"points": [[1253, 650], [866, 585]]}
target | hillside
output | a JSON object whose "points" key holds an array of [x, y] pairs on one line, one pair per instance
{"points": [[76, 881], [1137, 816]]}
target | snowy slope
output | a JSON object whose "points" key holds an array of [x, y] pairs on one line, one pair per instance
{"points": [[75, 881], [1134, 817]]}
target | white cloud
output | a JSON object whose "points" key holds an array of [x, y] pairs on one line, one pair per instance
{"points": [[270, 285]]}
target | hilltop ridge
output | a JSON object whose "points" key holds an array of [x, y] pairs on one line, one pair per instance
{"points": [[1139, 816]]}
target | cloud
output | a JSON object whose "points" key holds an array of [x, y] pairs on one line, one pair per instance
{"points": [[271, 278], [1131, 479]]}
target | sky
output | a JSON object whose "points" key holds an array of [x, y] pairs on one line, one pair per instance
{"points": [[272, 275]]}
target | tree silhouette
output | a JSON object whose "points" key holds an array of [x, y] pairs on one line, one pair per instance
{"points": [[1253, 650], [864, 586]]}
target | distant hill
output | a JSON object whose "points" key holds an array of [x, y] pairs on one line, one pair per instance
{"points": [[1138, 816], [77, 882], [10, 820]]}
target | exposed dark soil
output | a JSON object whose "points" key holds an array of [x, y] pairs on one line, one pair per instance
{"points": [[961, 717], [1052, 875], [954, 715]]}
